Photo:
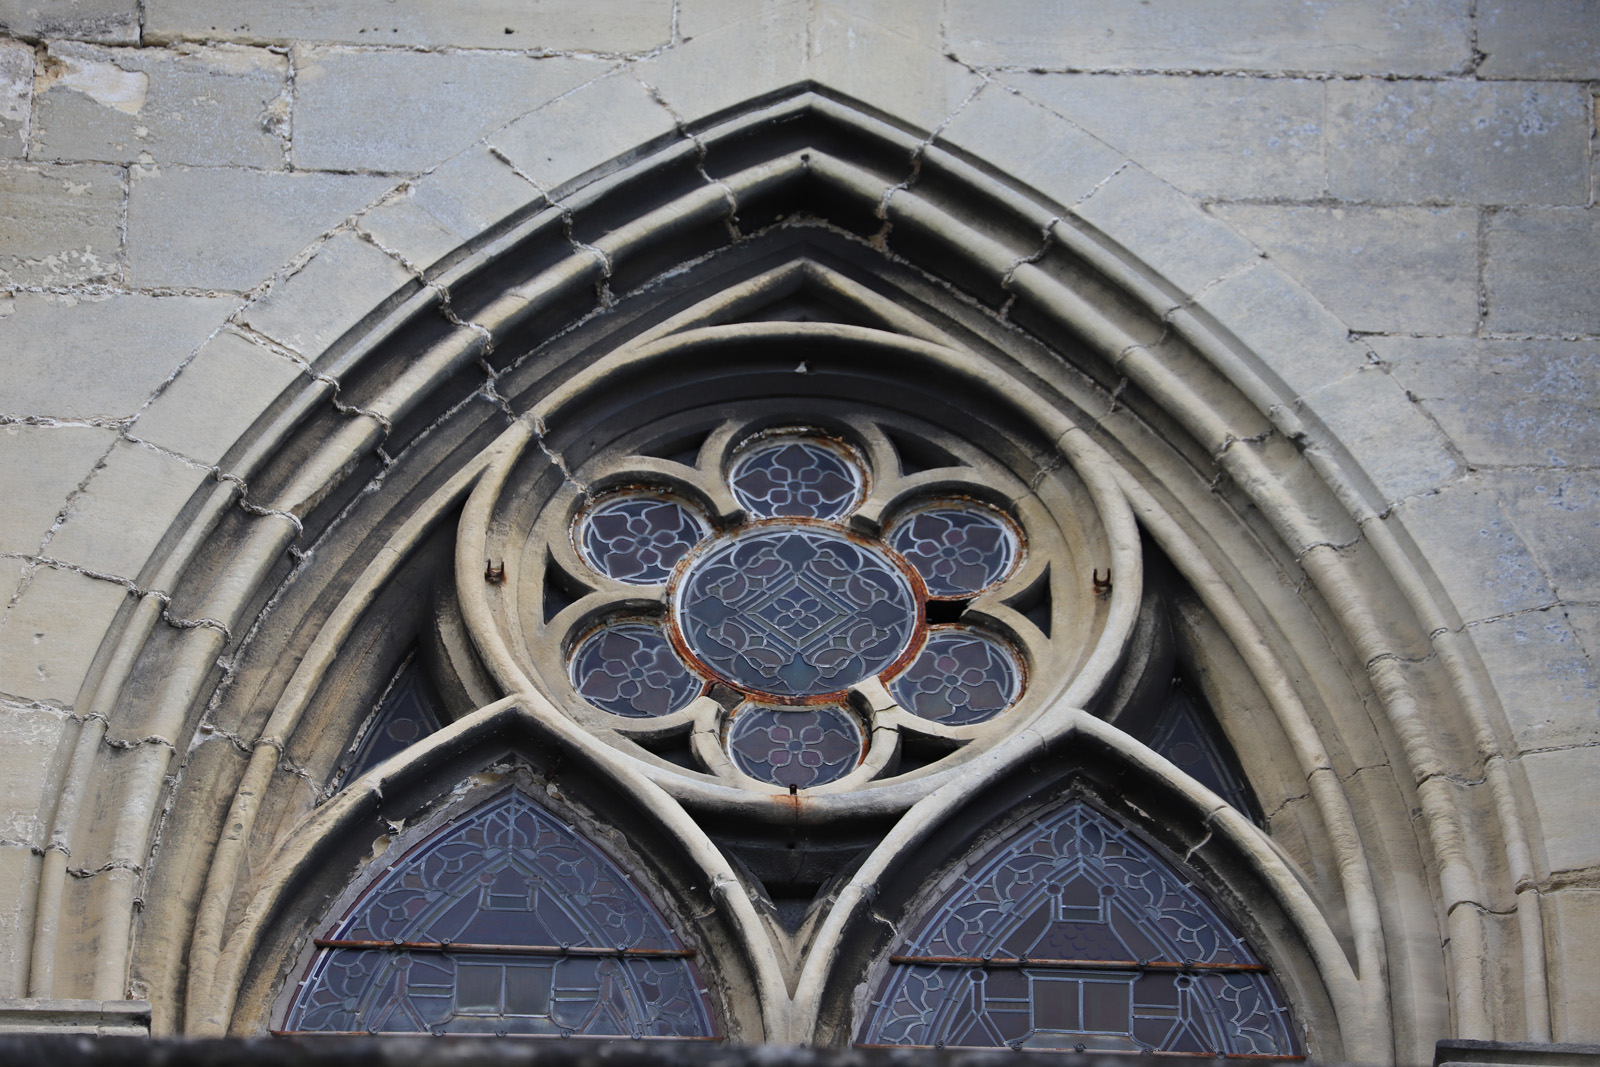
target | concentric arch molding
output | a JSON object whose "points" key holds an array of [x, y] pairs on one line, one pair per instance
{"points": [[1185, 432]]}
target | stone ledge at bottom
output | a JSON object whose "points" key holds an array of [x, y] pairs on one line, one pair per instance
{"points": [[119, 1018]]}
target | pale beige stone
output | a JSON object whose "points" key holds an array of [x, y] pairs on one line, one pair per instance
{"points": [[33, 734], [39, 467], [216, 396], [1479, 142], [458, 200], [618, 26], [405, 111], [753, 44], [217, 106], [16, 97], [1572, 941], [883, 68], [1558, 514], [124, 510], [1566, 792], [107, 21], [1208, 136], [182, 222], [59, 224], [1356, 36], [1541, 670], [1539, 39], [92, 356], [1540, 274], [336, 289], [1518, 403], [19, 878], [1394, 444], [49, 634]]}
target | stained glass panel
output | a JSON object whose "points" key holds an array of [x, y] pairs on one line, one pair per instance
{"points": [[800, 747], [630, 668], [507, 921], [789, 476], [638, 538], [960, 548], [406, 715], [1190, 738], [1074, 933], [961, 676]]}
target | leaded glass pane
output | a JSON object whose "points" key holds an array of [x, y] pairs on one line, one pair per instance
{"points": [[1190, 738], [961, 676], [960, 548], [1074, 932], [638, 538], [510, 877], [630, 668], [799, 747], [406, 715], [796, 611], [786, 476]]}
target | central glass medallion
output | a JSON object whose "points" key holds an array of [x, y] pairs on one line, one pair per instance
{"points": [[794, 611]]}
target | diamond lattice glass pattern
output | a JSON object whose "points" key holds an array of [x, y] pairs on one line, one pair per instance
{"points": [[638, 538], [796, 611], [802, 747], [507, 875], [1076, 887], [793, 477], [960, 549], [961, 676], [630, 668]]}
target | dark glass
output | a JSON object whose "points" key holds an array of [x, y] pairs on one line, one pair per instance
{"points": [[961, 676], [1075, 886], [960, 548], [508, 874], [630, 668], [1190, 738], [791, 477], [801, 747], [795, 611], [406, 715], [638, 538]]}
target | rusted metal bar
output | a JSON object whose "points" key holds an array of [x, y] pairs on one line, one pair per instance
{"points": [[1098, 1052], [496, 1037], [511, 950], [1078, 965]]}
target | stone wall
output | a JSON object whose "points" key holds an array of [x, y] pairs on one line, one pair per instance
{"points": [[197, 198]]}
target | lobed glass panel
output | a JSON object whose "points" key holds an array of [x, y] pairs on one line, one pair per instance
{"points": [[630, 668], [961, 676], [799, 747], [639, 537], [787, 476], [960, 548]]}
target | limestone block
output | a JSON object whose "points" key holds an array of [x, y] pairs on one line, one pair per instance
{"points": [[19, 881], [216, 397], [39, 466], [456, 201], [50, 631], [1540, 272], [755, 48], [1355, 36], [1541, 671], [83, 357], [208, 106], [1566, 792], [230, 229], [16, 97], [1480, 142], [125, 508], [1539, 39], [1520, 403], [33, 735], [1393, 443], [698, 18], [313, 307], [615, 26], [562, 140], [1207, 136], [59, 224], [1297, 339], [1572, 944], [1558, 514], [1405, 269], [107, 21], [1165, 229], [405, 111], [1474, 551], [1032, 144]]}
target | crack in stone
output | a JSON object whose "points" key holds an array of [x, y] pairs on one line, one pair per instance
{"points": [[1047, 239], [880, 240], [603, 258], [333, 384], [731, 219], [128, 584]]}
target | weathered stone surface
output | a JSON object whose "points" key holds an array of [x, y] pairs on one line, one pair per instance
{"points": [[456, 201], [1392, 442], [107, 21], [59, 224], [1541, 273], [88, 356], [182, 222], [32, 733], [230, 381], [49, 634], [1474, 551], [1572, 929], [405, 111], [1480, 142], [754, 44], [1410, 269], [312, 308], [39, 466], [1558, 514], [1539, 39], [917, 22], [125, 508], [222, 106], [1518, 403], [19, 875], [621, 26], [1566, 791], [870, 62], [1541, 671], [1272, 147], [1363, 36], [16, 97]]}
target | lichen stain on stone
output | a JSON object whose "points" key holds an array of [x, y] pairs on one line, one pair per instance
{"points": [[105, 83]]}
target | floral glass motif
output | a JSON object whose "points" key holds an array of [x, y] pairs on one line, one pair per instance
{"points": [[800, 747], [960, 548], [961, 676], [638, 537], [507, 921], [789, 476], [1074, 934], [629, 668], [405, 715]]}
